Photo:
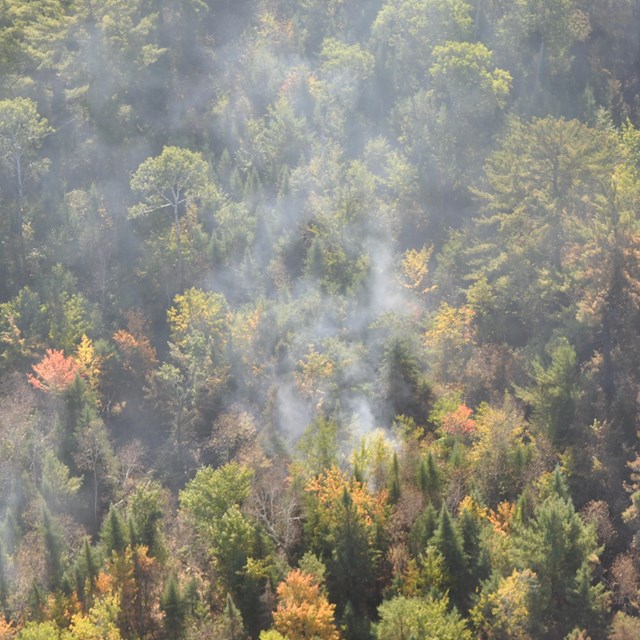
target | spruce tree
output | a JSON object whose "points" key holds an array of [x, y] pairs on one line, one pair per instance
{"points": [[112, 534], [422, 530], [173, 609], [394, 480], [351, 573], [53, 549], [231, 624], [448, 542], [429, 478]]}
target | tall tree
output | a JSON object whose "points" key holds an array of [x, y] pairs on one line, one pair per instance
{"points": [[303, 610], [22, 132], [176, 180]]}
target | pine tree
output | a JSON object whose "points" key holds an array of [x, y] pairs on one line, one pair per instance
{"points": [[231, 626], [88, 568], [448, 542], [394, 480], [422, 530], [11, 531], [355, 627], [113, 535], [351, 571], [557, 545], [470, 526], [429, 478], [173, 609], [53, 549]]}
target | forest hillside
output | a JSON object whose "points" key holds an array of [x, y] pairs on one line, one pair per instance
{"points": [[319, 319]]}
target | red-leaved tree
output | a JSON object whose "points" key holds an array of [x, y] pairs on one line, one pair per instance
{"points": [[54, 373]]}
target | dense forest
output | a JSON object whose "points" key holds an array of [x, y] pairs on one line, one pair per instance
{"points": [[319, 319]]}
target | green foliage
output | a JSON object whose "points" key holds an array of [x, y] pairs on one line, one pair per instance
{"points": [[39, 631], [351, 570], [213, 492], [173, 609], [319, 217], [552, 395], [58, 487], [319, 445], [113, 535], [231, 626], [405, 33], [405, 618], [563, 553], [176, 178], [146, 513], [53, 545], [403, 385], [510, 610], [449, 543]]}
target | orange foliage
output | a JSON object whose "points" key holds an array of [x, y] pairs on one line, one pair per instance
{"points": [[458, 422], [138, 355], [7, 630], [329, 488], [502, 517], [303, 610], [55, 372], [104, 584]]}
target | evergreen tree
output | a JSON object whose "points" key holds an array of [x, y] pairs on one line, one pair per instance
{"points": [[351, 575], [173, 609], [230, 625], [113, 535], [394, 480], [422, 529], [53, 548], [448, 542], [429, 478], [557, 545]]}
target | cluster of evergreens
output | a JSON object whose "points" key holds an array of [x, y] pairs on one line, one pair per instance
{"points": [[319, 319]]}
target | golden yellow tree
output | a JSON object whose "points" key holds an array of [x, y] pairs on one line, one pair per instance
{"points": [[303, 610]]}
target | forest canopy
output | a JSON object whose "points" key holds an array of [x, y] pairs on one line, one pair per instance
{"points": [[319, 319]]}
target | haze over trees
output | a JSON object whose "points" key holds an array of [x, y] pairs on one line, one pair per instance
{"points": [[319, 319]]}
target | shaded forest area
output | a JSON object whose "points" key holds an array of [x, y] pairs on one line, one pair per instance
{"points": [[319, 319]]}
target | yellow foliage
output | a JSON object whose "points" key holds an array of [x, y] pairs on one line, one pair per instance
{"points": [[415, 270], [312, 371], [329, 487], [506, 612], [303, 610], [244, 333], [452, 327], [98, 624], [90, 363], [197, 311], [469, 503], [502, 517]]}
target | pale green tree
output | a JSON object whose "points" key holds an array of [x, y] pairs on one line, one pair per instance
{"points": [[175, 180], [22, 132], [407, 618]]}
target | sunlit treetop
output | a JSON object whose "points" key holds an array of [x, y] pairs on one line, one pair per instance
{"points": [[55, 372]]}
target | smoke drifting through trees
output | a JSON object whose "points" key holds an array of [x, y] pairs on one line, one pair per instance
{"points": [[235, 233]]}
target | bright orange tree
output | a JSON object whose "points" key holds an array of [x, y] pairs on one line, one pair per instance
{"points": [[55, 372], [303, 610]]}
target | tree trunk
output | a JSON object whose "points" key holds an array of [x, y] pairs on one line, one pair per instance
{"points": [[179, 245], [19, 224]]}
